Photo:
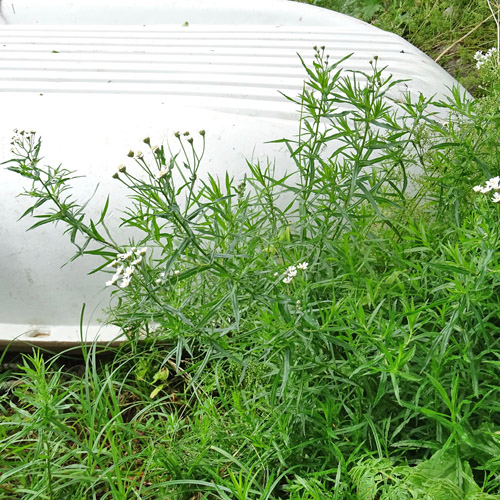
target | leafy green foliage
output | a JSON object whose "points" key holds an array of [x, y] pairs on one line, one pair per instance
{"points": [[329, 334]]}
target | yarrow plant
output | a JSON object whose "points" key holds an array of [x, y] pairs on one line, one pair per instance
{"points": [[376, 379]]}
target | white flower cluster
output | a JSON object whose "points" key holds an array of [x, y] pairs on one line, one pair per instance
{"points": [[492, 184], [291, 271], [131, 259], [483, 58]]}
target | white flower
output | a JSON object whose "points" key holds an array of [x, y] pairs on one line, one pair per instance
{"points": [[288, 279], [128, 272], [291, 271], [121, 168], [158, 281], [477, 189], [113, 280], [276, 274], [176, 272], [125, 282], [142, 251], [116, 277], [137, 261], [162, 275], [496, 198], [303, 265], [113, 264], [139, 154], [162, 173], [125, 256], [494, 183]]}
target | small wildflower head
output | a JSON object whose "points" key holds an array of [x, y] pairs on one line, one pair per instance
{"points": [[120, 169], [130, 154], [137, 261], [125, 256], [116, 276], [202, 133], [494, 183], [287, 279], [139, 155], [303, 266], [162, 173], [125, 282], [496, 198], [128, 272], [113, 280], [147, 141]]}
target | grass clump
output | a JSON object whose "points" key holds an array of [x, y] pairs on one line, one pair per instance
{"points": [[330, 332]]}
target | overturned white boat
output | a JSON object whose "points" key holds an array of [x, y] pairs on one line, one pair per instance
{"points": [[94, 79]]}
